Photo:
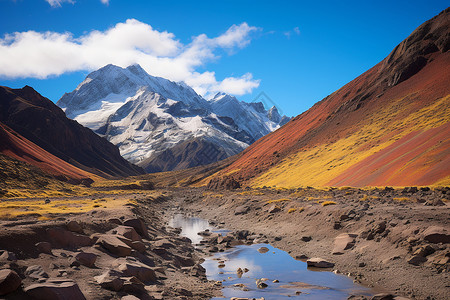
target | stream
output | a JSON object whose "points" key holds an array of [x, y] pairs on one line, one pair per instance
{"points": [[285, 277]]}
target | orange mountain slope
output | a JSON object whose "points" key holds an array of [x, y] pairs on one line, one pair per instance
{"points": [[389, 126], [16, 146]]}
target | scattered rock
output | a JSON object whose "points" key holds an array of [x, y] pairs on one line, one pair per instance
{"points": [[435, 234], [129, 297], [138, 225], [319, 263], [416, 260], [9, 281], [242, 210], [343, 242], [114, 245], [7, 256], [55, 289], [132, 267], [263, 250], [274, 209], [126, 231], [44, 247], [67, 238], [383, 297], [260, 284], [306, 238], [74, 226], [36, 272], [86, 259], [110, 280]]}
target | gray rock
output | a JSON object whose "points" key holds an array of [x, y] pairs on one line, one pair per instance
{"points": [[9, 281], [7, 256]]}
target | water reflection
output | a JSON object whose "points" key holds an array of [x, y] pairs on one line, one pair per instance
{"points": [[294, 279], [292, 276]]}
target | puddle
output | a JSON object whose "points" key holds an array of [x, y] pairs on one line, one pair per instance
{"points": [[294, 278], [190, 226]]}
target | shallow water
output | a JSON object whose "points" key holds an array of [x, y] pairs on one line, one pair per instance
{"points": [[293, 275]]}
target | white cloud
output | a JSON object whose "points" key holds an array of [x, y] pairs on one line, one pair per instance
{"points": [[295, 31], [106, 2], [43, 54], [57, 3]]}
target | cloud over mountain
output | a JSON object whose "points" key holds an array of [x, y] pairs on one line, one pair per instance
{"points": [[43, 54]]}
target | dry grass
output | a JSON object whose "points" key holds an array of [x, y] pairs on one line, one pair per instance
{"points": [[251, 193], [326, 203], [401, 199]]}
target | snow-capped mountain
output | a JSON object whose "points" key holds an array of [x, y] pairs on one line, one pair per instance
{"points": [[151, 118]]}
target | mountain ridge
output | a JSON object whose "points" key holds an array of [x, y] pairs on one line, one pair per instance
{"points": [[406, 92], [145, 116]]}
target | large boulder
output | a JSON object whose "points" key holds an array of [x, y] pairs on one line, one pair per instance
{"points": [[114, 245], [65, 238], [132, 267], [343, 242], [139, 225], [74, 226], [435, 234], [7, 256], [44, 247], [110, 280], [126, 231], [55, 289], [9, 281], [86, 259], [319, 263]]}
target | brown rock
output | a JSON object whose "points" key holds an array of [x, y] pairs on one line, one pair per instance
{"points": [[343, 242], [138, 225], [74, 226], [67, 238], [138, 246], [55, 289], [416, 260], [110, 280], [383, 297], [126, 231], [115, 221], [129, 297], [319, 263], [133, 267], [435, 234], [241, 210], [114, 245], [44, 247], [263, 250], [86, 259], [7, 256], [9, 281]]}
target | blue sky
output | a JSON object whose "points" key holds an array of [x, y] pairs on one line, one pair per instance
{"points": [[296, 52]]}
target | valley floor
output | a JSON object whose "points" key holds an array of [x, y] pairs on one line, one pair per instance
{"points": [[392, 240]]}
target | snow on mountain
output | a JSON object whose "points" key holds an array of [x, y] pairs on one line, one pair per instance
{"points": [[145, 115]]}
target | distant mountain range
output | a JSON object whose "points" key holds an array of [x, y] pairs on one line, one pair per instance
{"points": [[162, 125], [389, 126], [34, 130]]}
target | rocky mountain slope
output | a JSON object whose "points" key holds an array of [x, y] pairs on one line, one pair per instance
{"points": [[151, 118], [15, 146], [389, 126], [43, 127]]}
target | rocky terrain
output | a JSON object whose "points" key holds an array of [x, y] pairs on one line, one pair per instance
{"points": [[395, 241], [125, 253]]}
